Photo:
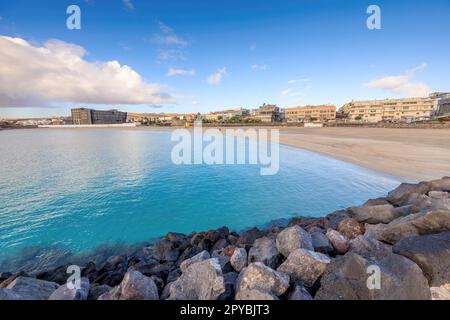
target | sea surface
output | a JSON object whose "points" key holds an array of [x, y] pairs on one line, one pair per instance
{"points": [[80, 189]]}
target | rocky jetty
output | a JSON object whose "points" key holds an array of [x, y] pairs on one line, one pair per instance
{"points": [[396, 247]]}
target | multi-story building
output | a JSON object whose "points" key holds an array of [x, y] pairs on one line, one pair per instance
{"points": [[268, 113], [441, 104], [91, 116], [323, 113], [394, 110], [227, 114]]}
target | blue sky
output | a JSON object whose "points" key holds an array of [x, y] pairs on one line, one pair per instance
{"points": [[225, 54]]}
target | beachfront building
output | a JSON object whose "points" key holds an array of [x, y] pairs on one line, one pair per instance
{"points": [[90, 116], [159, 117], [442, 104], [226, 115], [322, 113], [268, 113], [393, 110]]}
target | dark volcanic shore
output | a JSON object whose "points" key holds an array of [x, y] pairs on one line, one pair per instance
{"points": [[396, 247]]}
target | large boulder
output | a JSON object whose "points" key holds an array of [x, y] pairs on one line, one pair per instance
{"points": [[336, 217], [407, 191], [32, 289], [436, 200], [417, 224], [304, 266], [321, 243], [377, 214], [299, 293], [264, 250], [254, 294], [351, 228], [97, 290], [258, 276], [247, 238], [229, 279], [338, 241], [134, 286], [441, 184], [170, 247], [293, 238], [8, 294], [202, 256], [431, 253], [354, 276], [239, 259], [200, 281], [66, 293]]}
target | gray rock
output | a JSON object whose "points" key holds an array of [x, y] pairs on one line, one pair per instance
{"points": [[32, 289], [406, 191], [321, 243], [264, 250], [247, 238], [417, 224], [438, 195], [229, 279], [258, 276], [254, 294], [338, 241], [299, 293], [293, 238], [96, 291], [200, 281], [202, 256], [348, 277], [376, 202], [425, 203], [431, 253], [134, 286], [441, 184], [376, 214], [336, 217], [64, 293], [350, 228], [239, 259], [8, 294], [304, 266]]}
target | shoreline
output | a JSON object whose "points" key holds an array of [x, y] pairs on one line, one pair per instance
{"points": [[409, 154]]}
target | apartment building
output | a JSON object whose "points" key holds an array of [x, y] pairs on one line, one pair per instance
{"points": [[322, 113], [91, 116], [393, 110], [268, 113], [226, 114]]}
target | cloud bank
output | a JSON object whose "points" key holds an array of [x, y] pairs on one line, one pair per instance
{"points": [[402, 84], [57, 72]]}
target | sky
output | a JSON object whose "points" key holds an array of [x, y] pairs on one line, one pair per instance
{"points": [[208, 55]]}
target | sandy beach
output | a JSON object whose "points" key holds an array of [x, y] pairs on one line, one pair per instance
{"points": [[410, 154]]}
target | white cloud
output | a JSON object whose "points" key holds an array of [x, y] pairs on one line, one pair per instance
{"points": [[57, 72], [216, 77], [129, 6], [402, 84], [169, 37], [294, 81], [171, 54], [261, 67], [176, 72]]}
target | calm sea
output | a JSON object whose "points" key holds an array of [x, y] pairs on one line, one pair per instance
{"points": [[80, 189]]}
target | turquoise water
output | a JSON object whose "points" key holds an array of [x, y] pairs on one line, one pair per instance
{"points": [[78, 189]]}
